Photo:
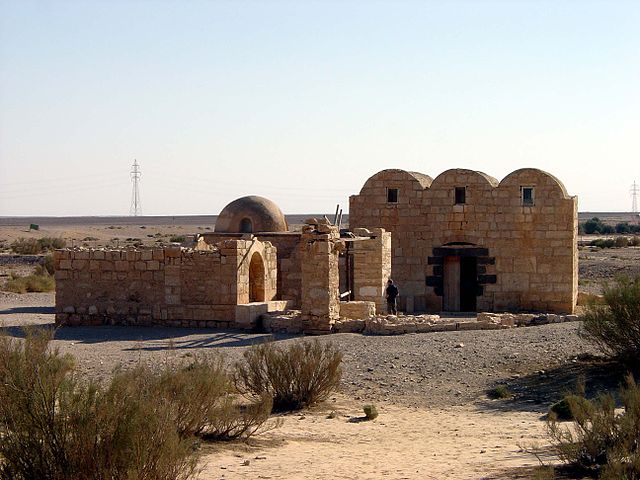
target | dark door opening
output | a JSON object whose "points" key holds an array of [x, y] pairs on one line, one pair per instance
{"points": [[468, 283], [460, 284]]}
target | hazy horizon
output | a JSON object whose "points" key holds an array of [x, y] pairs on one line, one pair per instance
{"points": [[301, 102]]}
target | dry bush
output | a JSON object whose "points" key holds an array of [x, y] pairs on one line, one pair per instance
{"points": [[202, 399], [31, 246], [614, 325], [294, 376], [139, 426], [602, 442], [37, 282], [231, 419], [55, 427]]}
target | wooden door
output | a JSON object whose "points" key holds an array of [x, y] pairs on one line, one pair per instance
{"points": [[451, 284]]}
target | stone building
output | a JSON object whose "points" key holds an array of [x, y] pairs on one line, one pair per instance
{"points": [[250, 265], [465, 241]]}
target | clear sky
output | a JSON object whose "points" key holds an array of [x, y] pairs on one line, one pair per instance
{"points": [[301, 101]]}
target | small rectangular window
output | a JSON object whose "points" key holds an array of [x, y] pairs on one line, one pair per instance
{"points": [[461, 195], [392, 195], [527, 196]]}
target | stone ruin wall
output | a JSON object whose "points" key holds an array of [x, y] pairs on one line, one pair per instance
{"points": [[159, 286], [289, 260], [530, 255]]}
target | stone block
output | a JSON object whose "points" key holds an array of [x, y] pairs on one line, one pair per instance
{"points": [[357, 310], [247, 315]]}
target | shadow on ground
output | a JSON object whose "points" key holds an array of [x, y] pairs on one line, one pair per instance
{"points": [[18, 310], [159, 338], [560, 472], [538, 391]]}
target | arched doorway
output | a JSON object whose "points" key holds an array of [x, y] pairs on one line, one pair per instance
{"points": [[256, 279]]}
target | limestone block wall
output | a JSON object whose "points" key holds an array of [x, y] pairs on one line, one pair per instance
{"points": [[168, 286], [288, 246], [526, 250], [320, 302], [372, 268]]}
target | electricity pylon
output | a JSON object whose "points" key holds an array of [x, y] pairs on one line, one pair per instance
{"points": [[136, 206]]}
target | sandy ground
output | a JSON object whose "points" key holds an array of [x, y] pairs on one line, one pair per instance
{"points": [[426, 429], [402, 443]]}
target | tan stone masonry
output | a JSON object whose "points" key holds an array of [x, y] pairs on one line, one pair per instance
{"points": [[518, 237]]}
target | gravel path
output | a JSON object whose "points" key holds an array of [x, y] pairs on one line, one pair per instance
{"points": [[429, 369]]}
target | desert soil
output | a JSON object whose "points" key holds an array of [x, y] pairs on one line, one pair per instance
{"points": [[436, 420]]}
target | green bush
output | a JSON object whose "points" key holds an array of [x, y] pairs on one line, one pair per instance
{"points": [[562, 408], [370, 412], [614, 325], [602, 442], [31, 246], [37, 282], [500, 392], [294, 376], [177, 239], [603, 243]]}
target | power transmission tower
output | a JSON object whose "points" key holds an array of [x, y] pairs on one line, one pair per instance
{"points": [[635, 190], [136, 206]]}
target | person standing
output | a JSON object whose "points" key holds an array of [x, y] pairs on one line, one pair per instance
{"points": [[392, 294]]}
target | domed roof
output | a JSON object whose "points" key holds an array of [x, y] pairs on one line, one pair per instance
{"points": [[249, 215]]}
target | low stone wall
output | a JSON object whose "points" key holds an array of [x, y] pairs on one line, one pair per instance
{"points": [[168, 286], [290, 322]]}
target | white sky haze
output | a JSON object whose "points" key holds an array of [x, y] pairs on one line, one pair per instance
{"points": [[302, 101]]}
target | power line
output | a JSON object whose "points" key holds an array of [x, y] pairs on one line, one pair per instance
{"points": [[635, 190], [136, 206]]}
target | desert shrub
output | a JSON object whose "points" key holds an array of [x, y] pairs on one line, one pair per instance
{"points": [[603, 243], [621, 242], [26, 246], [31, 246], [294, 376], [46, 266], [38, 282], [370, 412], [614, 325], [54, 427], [600, 440], [177, 239], [231, 420], [500, 391], [202, 400], [562, 408], [138, 426], [593, 225], [51, 243], [634, 241]]}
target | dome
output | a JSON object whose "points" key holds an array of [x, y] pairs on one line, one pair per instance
{"points": [[249, 215]]}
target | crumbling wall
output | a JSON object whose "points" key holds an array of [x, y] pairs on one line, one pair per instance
{"points": [[167, 286], [320, 302], [372, 266]]}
